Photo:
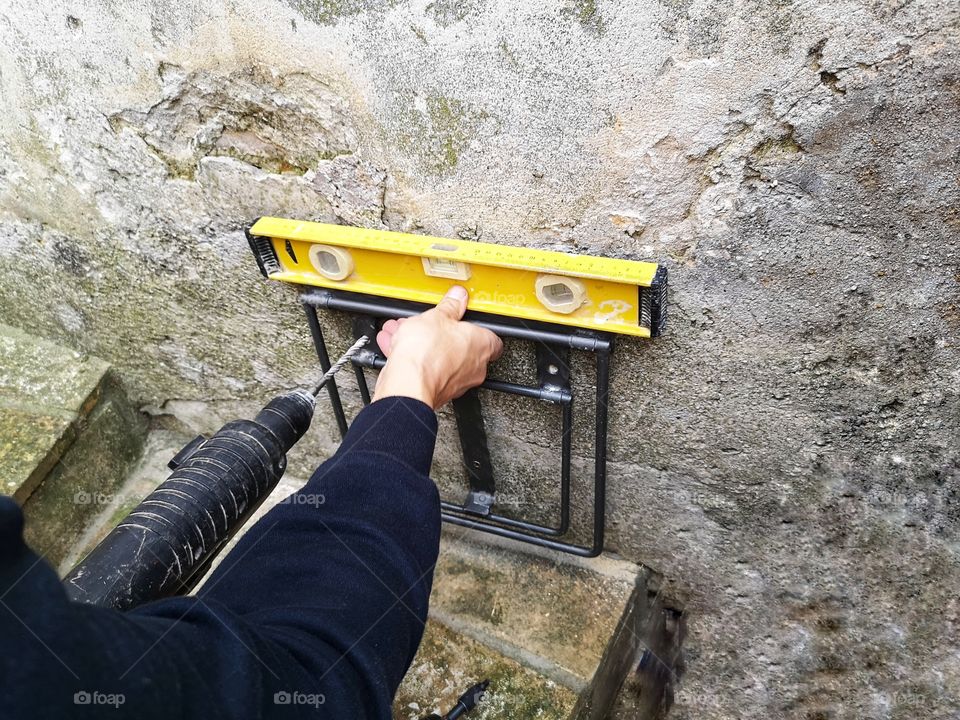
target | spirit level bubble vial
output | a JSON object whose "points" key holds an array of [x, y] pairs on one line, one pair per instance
{"points": [[619, 296]]}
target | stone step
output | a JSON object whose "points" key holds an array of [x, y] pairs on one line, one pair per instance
{"points": [[570, 623], [69, 436], [448, 663]]}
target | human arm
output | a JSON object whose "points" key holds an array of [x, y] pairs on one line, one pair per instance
{"points": [[318, 600]]}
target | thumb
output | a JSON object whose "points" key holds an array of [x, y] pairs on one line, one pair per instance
{"points": [[454, 303]]}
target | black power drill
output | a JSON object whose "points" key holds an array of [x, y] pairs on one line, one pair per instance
{"points": [[167, 542]]}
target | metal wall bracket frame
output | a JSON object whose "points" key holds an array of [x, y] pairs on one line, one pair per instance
{"points": [[553, 344]]}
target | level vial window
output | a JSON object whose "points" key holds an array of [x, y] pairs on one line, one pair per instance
{"points": [[560, 294], [334, 263], [328, 263], [444, 268]]}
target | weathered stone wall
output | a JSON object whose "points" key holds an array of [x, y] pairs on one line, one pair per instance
{"points": [[786, 456]]}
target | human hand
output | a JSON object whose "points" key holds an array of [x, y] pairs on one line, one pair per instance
{"points": [[434, 356]]}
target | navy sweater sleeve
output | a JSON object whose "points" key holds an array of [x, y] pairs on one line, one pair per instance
{"points": [[317, 612]]}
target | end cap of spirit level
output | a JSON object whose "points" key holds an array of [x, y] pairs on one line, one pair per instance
{"points": [[653, 304], [263, 252]]}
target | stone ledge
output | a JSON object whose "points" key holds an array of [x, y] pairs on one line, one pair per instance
{"points": [[86, 477], [571, 620], [68, 436], [46, 393], [448, 663], [556, 606], [31, 444]]}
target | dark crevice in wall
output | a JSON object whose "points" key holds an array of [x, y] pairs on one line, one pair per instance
{"points": [[661, 626]]}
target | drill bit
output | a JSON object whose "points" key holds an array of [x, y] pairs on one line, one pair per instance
{"points": [[344, 359]]}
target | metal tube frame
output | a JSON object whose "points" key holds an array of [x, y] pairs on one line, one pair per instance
{"points": [[601, 344]]}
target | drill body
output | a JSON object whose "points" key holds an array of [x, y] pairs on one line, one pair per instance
{"points": [[166, 543]]}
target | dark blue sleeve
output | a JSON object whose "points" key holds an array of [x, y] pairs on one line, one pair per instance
{"points": [[317, 612]]}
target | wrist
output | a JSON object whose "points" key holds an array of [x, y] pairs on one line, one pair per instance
{"points": [[404, 378]]}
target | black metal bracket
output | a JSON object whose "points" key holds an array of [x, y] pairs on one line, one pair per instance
{"points": [[476, 454], [553, 345], [553, 367]]}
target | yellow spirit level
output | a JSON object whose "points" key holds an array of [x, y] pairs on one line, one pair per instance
{"points": [[621, 296]]}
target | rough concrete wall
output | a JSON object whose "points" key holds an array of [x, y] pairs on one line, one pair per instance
{"points": [[786, 456]]}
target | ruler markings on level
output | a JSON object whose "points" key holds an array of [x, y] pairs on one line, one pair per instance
{"points": [[632, 271]]}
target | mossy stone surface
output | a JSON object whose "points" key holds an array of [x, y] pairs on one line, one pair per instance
{"points": [[30, 443], [85, 479], [67, 437], [558, 609], [41, 374], [448, 663], [45, 390]]}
